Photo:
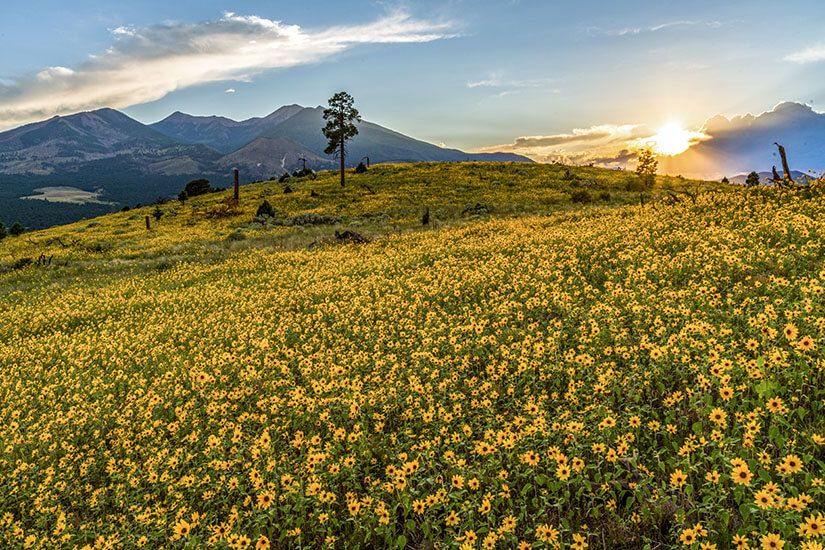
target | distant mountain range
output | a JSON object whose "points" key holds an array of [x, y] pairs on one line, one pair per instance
{"points": [[765, 176], [120, 161], [743, 144]]}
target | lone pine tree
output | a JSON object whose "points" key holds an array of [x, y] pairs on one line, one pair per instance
{"points": [[341, 117]]}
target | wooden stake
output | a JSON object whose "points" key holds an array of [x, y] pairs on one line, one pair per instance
{"points": [[237, 190], [785, 167], [147, 223]]}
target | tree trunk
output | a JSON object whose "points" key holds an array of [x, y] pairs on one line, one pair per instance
{"points": [[785, 167], [237, 193], [342, 158]]}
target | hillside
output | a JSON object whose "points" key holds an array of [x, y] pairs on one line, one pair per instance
{"points": [[538, 372], [384, 200], [121, 162]]}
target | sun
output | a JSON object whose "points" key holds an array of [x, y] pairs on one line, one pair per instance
{"points": [[672, 139]]}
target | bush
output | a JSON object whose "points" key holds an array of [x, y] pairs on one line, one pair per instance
{"points": [[198, 187], [236, 236], [635, 184], [361, 168], [581, 196], [157, 213], [183, 196], [125, 208], [16, 230], [302, 173], [265, 209], [604, 196], [3, 232], [284, 178]]}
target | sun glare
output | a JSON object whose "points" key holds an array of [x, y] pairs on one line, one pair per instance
{"points": [[672, 139]]}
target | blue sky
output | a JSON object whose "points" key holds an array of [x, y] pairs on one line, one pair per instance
{"points": [[470, 74]]}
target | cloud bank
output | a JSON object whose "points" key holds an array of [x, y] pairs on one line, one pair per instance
{"points": [[604, 144], [145, 64]]}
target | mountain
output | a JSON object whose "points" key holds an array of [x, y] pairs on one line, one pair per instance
{"points": [[743, 144], [763, 176], [114, 160], [303, 125], [220, 133], [264, 158], [377, 142], [66, 144]]}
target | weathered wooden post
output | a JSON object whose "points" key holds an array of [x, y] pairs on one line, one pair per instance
{"points": [[785, 167], [148, 226], [237, 191]]}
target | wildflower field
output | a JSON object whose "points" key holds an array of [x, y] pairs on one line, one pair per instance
{"points": [[605, 375]]}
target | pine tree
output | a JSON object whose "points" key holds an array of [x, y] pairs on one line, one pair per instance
{"points": [[341, 117], [646, 167]]}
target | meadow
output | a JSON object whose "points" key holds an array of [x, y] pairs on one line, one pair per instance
{"points": [[542, 374]]}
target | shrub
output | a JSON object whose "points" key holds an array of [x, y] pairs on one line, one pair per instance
{"points": [[635, 184], [3, 232], [236, 236], [265, 209], [604, 196], [157, 213], [16, 230], [125, 208], [581, 196], [183, 196], [361, 168], [198, 187], [284, 178]]}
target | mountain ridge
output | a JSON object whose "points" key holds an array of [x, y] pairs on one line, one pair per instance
{"points": [[122, 161]]}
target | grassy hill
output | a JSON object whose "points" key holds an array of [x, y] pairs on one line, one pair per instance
{"points": [[545, 374]]}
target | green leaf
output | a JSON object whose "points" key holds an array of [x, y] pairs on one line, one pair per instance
{"points": [[745, 511], [401, 541]]}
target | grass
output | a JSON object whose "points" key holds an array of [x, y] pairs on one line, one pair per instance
{"points": [[549, 375]]}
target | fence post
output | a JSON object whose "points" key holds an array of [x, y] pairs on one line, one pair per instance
{"points": [[237, 192]]}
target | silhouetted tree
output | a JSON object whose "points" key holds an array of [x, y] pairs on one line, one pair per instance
{"points": [[16, 230], [753, 180], [646, 167], [183, 196], [198, 187], [341, 117], [157, 213]]}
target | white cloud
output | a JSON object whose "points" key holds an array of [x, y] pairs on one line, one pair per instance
{"points": [[494, 81], [145, 64], [124, 31], [229, 91], [809, 55], [603, 144], [53, 72], [633, 31]]}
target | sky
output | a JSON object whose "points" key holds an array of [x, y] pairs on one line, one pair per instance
{"points": [[555, 79]]}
